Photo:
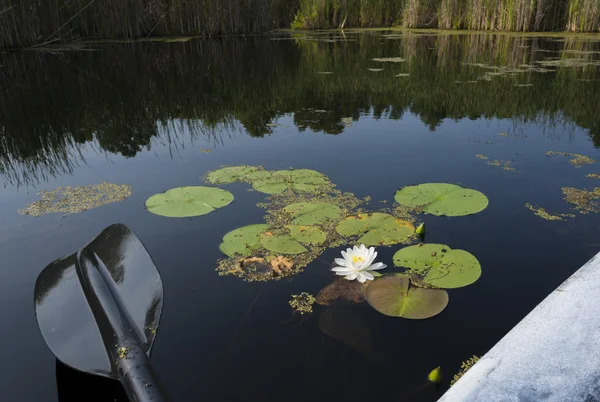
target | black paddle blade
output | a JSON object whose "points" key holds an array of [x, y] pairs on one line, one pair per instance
{"points": [[73, 330]]}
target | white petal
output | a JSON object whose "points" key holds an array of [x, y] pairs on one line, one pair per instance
{"points": [[343, 269], [351, 276], [367, 275], [376, 266], [342, 262], [361, 278], [345, 254]]}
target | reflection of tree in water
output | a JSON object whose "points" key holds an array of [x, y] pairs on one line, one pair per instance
{"points": [[124, 95]]}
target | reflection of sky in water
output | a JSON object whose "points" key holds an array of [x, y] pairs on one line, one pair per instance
{"points": [[522, 257]]}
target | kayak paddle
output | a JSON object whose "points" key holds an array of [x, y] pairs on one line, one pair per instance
{"points": [[99, 308]]}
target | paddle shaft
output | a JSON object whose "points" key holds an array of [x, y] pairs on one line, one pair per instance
{"points": [[121, 341]]}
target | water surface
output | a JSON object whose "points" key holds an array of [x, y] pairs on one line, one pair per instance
{"points": [[139, 114]]}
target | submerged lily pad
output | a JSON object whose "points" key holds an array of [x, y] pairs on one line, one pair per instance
{"points": [[307, 234], [341, 289], [313, 213], [182, 202], [440, 265], [443, 199], [282, 244], [232, 174], [347, 327], [376, 229], [243, 241], [303, 180], [395, 296]]}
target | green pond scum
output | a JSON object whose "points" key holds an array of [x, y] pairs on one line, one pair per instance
{"points": [[585, 201], [302, 303], [75, 199], [542, 213], [577, 159], [464, 367]]}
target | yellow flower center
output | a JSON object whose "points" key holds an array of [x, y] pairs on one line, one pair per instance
{"points": [[357, 259]]}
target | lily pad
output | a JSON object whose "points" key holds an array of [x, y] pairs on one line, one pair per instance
{"points": [[282, 244], [182, 202], [341, 289], [376, 229], [395, 296], [307, 234], [232, 174], [313, 213], [439, 265], [242, 241], [442, 199], [303, 180]]}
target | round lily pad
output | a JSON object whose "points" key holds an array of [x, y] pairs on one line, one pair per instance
{"points": [[376, 229], [439, 265], [232, 174], [394, 296], [182, 202], [307, 234], [282, 244], [443, 199], [242, 241], [313, 213], [303, 180]]}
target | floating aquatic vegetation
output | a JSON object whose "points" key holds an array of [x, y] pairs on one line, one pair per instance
{"points": [[503, 134], [464, 367], [577, 160], [303, 180], [182, 202], [442, 199], [395, 296], [74, 199], [390, 59], [420, 230], [302, 303], [479, 156], [593, 176], [230, 174], [542, 213], [439, 265], [375, 69], [568, 63], [506, 165], [402, 75], [585, 201], [243, 241], [523, 85], [205, 150], [340, 289], [358, 263], [275, 125], [325, 72], [347, 121], [347, 327], [256, 268], [377, 229], [283, 244], [307, 234]]}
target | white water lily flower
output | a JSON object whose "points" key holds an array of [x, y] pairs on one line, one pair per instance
{"points": [[357, 263]]}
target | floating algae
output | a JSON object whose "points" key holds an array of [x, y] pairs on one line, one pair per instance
{"points": [[542, 213], [506, 165], [347, 121], [593, 176], [302, 303], [577, 160], [464, 367], [390, 60], [69, 199], [479, 156], [585, 201], [257, 269]]}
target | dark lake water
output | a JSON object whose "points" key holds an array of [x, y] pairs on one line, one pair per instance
{"points": [[139, 114]]}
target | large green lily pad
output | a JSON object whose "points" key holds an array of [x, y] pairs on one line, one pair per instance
{"points": [[281, 244], [376, 229], [439, 265], [243, 241], [313, 213], [442, 199], [307, 234], [234, 173], [182, 202], [303, 180], [396, 297]]}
